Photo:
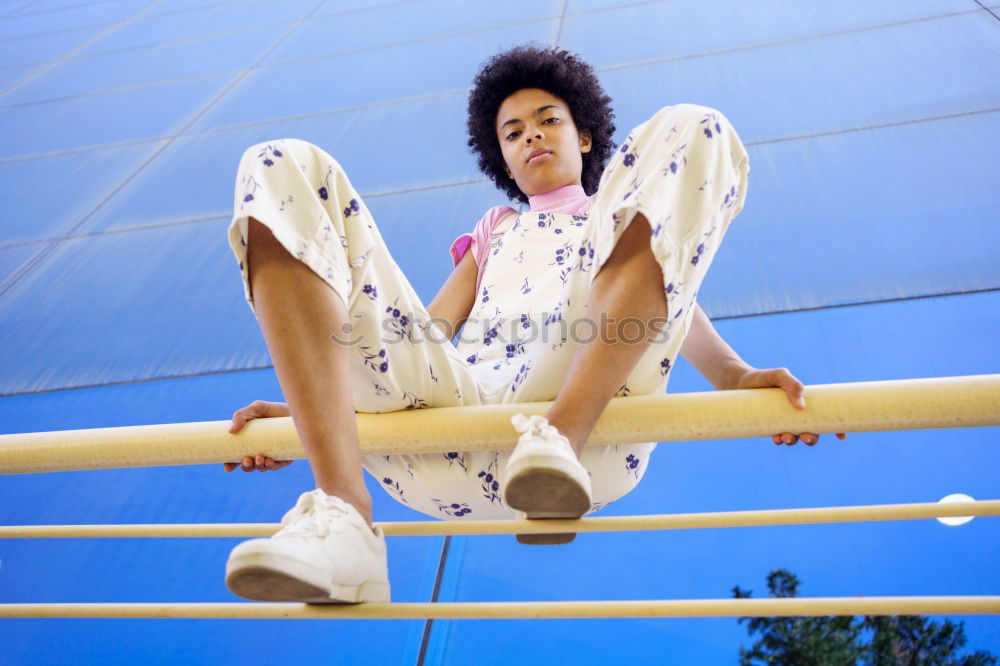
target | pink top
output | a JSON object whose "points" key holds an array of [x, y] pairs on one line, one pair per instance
{"points": [[570, 199]]}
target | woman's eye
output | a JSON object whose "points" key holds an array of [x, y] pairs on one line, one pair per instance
{"points": [[515, 133]]}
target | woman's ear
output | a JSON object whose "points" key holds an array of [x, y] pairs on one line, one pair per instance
{"points": [[586, 142], [507, 169]]}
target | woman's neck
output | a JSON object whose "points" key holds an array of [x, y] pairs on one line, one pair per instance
{"points": [[560, 199]]}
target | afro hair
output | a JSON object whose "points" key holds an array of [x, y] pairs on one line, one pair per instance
{"points": [[558, 72]]}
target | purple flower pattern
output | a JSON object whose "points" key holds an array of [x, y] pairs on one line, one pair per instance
{"points": [[511, 351], [453, 509], [352, 208], [455, 457], [710, 121], [545, 220], [393, 488], [562, 254], [518, 230], [629, 152], [263, 155], [496, 240], [701, 247], [584, 257], [377, 361], [250, 187], [556, 314], [398, 323], [673, 291], [413, 401], [489, 483], [632, 465], [731, 198], [522, 374], [679, 154]]}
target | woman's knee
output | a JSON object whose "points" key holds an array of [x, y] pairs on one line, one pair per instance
{"points": [[702, 127], [691, 115], [272, 151], [266, 151]]}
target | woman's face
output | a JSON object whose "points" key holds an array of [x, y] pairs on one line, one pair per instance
{"points": [[533, 120]]}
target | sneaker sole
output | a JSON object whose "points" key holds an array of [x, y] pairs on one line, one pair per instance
{"points": [[264, 577], [546, 492]]}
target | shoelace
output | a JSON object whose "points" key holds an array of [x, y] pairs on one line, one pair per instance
{"points": [[537, 426], [311, 515]]}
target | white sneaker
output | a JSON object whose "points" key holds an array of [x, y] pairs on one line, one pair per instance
{"points": [[324, 553], [544, 478]]}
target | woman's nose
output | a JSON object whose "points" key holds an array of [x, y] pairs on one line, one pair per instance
{"points": [[538, 135]]}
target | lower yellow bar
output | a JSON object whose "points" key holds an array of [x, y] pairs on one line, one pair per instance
{"points": [[952, 605]]}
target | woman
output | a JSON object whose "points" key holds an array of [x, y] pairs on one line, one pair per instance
{"points": [[588, 294]]}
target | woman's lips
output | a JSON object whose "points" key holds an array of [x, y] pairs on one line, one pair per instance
{"points": [[539, 158]]}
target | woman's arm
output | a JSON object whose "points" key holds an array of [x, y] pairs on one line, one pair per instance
{"points": [[453, 303], [705, 349]]}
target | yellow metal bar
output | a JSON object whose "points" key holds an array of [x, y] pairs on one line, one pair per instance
{"points": [[944, 402], [951, 605], [768, 517]]}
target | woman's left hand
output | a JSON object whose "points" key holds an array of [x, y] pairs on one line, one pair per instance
{"points": [[793, 388]]}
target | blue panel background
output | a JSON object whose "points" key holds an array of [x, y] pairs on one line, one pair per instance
{"points": [[867, 250], [45, 197], [140, 67]]}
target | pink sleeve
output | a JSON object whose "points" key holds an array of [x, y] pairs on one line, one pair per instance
{"points": [[459, 247], [479, 238]]}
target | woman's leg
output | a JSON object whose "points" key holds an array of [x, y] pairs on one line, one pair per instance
{"points": [[628, 290], [663, 205], [625, 289], [347, 332], [296, 311]]}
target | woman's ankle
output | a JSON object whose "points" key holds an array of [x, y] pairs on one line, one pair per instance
{"points": [[363, 503]]}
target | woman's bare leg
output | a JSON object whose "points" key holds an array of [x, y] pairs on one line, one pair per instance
{"points": [[298, 312], [628, 286]]}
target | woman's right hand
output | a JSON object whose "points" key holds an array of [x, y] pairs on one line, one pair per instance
{"points": [[258, 409]]}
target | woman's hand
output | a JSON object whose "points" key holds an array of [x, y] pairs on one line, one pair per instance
{"points": [[793, 388], [256, 410]]}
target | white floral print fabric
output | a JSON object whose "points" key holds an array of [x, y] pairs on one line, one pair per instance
{"points": [[685, 169]]}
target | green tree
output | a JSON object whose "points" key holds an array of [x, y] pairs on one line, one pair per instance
{"points": [[839, 640]]}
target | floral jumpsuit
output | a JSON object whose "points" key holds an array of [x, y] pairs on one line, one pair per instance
{"points": [[685, 169]]}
